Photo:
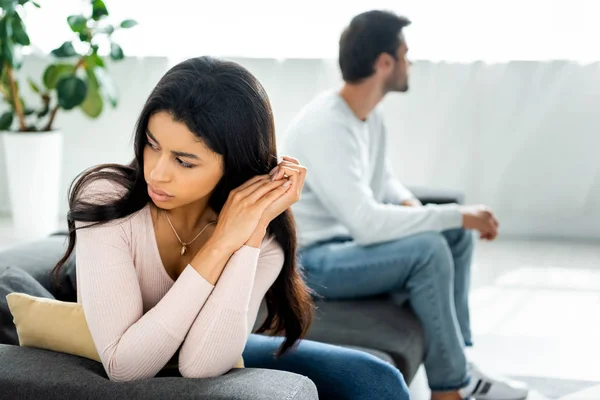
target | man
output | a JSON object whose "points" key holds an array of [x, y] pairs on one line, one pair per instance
{"points": [[363, 233]]}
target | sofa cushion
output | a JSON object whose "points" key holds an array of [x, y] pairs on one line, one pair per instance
{"points": [[379, 324], [428, 195], [15, 280], [28, 373], [52, 324]]}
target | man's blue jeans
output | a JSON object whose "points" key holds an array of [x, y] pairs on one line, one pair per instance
{"points": [[338, 372], [433, 268]]}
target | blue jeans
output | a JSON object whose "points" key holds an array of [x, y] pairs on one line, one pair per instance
{"points": [[338, 372], [433, 268]]}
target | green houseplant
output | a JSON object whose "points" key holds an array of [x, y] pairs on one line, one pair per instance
{"points": [[77, 77]]}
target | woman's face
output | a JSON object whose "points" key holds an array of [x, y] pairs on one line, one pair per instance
{"points": [[178, 168]]}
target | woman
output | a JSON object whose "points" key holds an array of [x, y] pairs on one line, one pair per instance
{"points": [[176, 250]]}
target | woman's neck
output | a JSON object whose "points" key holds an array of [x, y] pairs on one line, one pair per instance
{"points": [[189, 219]]}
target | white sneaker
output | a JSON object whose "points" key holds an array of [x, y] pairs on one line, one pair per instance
{"points": [[485, 387]]}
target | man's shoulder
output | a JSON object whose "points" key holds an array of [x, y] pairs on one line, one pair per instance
{"points": [[327, 99], [323, 112]]}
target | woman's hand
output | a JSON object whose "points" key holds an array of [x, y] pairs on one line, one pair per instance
{"points": [[288, 170], [296, 173], [244, 210]]}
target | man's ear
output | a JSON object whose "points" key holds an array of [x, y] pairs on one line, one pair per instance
{"points": [[384, 63]]}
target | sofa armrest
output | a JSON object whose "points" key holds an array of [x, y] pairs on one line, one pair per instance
{"points": [[433, 195], [28, 373], [38, 258]]}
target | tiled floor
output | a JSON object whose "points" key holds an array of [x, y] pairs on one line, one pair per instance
{"points": [[535, 311], [592, 393]]}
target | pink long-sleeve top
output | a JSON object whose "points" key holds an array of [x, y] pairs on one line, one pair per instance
{"points": [[139, 317]]}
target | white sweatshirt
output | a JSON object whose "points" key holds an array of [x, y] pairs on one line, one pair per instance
{"points": [[349, 188]]}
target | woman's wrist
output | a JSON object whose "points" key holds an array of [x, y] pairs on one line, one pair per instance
{"points": [[220, 246], [211, 260], [258, 235]]}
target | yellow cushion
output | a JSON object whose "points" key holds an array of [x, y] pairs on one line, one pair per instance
{"points": [[51, 324], [56, 325]]}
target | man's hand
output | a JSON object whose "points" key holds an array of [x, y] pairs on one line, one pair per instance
{"points": [[482, 219], [412, 203]]}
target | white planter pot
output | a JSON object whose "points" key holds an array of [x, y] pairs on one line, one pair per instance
{"points": [[33, 165]]}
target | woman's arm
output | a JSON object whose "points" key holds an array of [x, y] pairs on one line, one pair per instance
{"points": [[131, 345], [217, 338]]}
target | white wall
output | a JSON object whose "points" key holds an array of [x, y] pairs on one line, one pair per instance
{"points": [[523, 137]]}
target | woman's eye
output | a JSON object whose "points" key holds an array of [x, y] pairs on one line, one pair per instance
{"points": [[152, 146], [184, 164]]}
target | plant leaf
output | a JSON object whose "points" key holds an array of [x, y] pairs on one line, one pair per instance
{"points": [[34, 86], [7, 51], [77, 23], [93, 104], [54, 72], [90, 74], [5, 27], [6, 121], [8, 6], [98, 10], [116, 52], [108, 29], [18, 31], [94, 60], [65, 50], [71, 91], [128, 23], [107, 86], [18, 57], [23, 2], [85, 35]]}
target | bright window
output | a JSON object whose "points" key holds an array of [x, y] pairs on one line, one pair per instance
{"points": [[457, 30]]}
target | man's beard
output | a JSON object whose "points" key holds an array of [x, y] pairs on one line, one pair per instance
{"points": [[396, 85]]}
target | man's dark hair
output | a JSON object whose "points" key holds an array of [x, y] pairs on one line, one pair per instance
{"points": [[368, 35]]}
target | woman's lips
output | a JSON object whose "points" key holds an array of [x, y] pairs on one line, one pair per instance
{"points": [[158, 195]]}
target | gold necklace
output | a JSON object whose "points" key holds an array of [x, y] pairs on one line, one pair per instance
{"points": [[184, 245]]}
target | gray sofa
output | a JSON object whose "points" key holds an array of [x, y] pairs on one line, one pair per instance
{"points": [[28, 373], [384, 326]]}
